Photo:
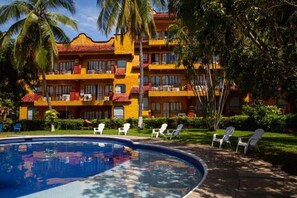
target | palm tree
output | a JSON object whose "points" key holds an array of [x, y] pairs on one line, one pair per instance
{"points": [[37, 30], [135, 17]]}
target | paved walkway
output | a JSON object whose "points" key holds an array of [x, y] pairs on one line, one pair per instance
{"points": [[232, 174]]}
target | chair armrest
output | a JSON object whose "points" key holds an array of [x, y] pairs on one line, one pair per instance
{"points": [[241, 138], [215, 136], [156, 130]]}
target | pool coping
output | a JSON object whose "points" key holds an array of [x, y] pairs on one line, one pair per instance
{"points": [[188, 157]]}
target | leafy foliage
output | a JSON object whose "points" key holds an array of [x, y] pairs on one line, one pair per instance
{"points": [[135, 17], [12, 83]]}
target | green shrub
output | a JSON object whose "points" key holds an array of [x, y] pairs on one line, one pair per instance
{"points": [[70, 124], [115, 123], [133, 122], [7, 124], [50, 117], [32, 125]]}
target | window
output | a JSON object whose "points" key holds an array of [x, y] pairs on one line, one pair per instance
{"points": [[50, 90], [122, 64], [90, 89], [171, 80], [165, 109], [155, 59], [145, 80], [97, 66], [30, 113], [145, 58], [156, 108], [62, 89], [234, 103], [38, 90], [66, 66], [121, 88], [108, 88], [200, 80], [145, 103], [118, 112], [175, 107], [109, 65], [155, 81], [99, 92], [168, 58], [90, 115]]}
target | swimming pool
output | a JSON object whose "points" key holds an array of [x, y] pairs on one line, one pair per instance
{"points": [[94, 167]]}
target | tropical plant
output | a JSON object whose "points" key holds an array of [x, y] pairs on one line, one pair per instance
{"points": [[50, 117], [135, 17], [198, 47], [37, 29]]}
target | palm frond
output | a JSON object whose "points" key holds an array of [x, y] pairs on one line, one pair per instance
{"points": [[65, 20], [28, 23], [14, 10], [69, 5]]}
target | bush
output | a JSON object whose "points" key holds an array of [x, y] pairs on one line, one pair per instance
{"points": [[133, 122], [71, 124], [116, 123], [7, 124], [32, 125], [291, 122]]}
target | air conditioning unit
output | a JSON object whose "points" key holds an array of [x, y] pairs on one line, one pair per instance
{"points": [[66, 97], [106, 98], [87, 97]]}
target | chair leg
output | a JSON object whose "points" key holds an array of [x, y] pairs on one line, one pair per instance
{"points": [[236, 148], [245, 149], [221, 143], [212, 143]]}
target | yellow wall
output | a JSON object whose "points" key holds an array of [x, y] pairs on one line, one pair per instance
{"points": [[23, 113], [126, 46]]}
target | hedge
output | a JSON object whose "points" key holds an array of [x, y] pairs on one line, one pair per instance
{"points": [[272, 123]]}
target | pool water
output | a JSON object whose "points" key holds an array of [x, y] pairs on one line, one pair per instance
{"points": [[92, 169]]}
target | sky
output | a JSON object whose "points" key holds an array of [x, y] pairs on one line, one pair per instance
{"points": [[85, 16]]}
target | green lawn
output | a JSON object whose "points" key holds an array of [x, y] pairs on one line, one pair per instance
{"points": [[278, 148]]}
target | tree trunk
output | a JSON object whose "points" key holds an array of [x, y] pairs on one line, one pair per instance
{"points": [[47, 98], [140, 100]]}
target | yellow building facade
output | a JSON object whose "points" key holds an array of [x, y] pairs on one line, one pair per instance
{"points": [[97, 80]]}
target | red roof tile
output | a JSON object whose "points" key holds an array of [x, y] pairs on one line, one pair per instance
{"points": [[29, 98], [135, 89], [120, 72], [163, 15], [85, 48], [122, 97]]}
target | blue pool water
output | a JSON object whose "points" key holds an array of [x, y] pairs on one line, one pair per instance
{"points": [[92, 169]]}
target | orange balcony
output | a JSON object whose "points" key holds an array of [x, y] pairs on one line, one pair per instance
{"points": [[165, 67], [80, 102], [89, 76]]}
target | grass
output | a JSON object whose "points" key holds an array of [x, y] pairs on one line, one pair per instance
{"points": [[277, 148]]}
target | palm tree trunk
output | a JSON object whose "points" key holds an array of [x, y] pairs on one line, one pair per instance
{"points": [[140, 100], [47, 98]]}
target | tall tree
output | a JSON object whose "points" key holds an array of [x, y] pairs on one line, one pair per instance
{"points": [[12, 84], [135, 17], [199, 44], [37, 29], [255, 40]]}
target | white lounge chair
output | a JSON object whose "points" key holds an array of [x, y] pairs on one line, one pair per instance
{"points": [[160, 131], [174, 132], [228, 133], [252, 141], [99, 129], [124, 129]]}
